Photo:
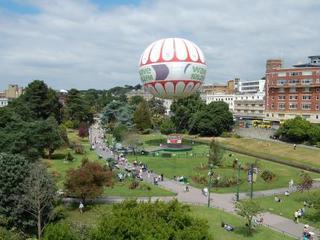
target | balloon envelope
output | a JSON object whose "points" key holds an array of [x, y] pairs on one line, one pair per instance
{"points": [[172, 68]]}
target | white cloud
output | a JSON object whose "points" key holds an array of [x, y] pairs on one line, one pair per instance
{"points": [[73, 43]]}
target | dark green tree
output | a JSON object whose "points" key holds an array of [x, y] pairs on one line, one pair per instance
{"points": [[183, 111], [41, 100], [14, 170], [142, 116], [48, 134], [77, 109], [146, 220], [167, 126], [212, 120], [135, 100], [294, 130]]}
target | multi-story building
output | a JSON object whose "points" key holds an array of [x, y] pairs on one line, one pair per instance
{"points": [[253, 86], [293, 91], [249, 105], [13, 91], [227, 98], [3, 102], [140, 92], [211, 89]]}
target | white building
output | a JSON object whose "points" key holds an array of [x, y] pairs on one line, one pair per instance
{"points": [[140, 92], [3, 102], [227, 98], [249, 106], [167, 104], [255, 86]]}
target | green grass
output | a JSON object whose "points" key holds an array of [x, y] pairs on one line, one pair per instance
{"points": [[144, 190], [282, 151], [289, 205], [92, 215], [193, 166], [59, 167]]}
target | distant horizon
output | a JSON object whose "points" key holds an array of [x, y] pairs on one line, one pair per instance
{"points": [[97, 44]]}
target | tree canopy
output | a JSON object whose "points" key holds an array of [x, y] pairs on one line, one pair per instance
{"points": [[146, 220]]}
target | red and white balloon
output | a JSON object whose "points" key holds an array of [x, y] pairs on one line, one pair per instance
{"points": [[172, 68]]}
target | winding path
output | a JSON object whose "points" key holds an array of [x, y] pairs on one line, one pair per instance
{"points": [[226, 202]]}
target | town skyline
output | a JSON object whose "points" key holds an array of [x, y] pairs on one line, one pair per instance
{"points": [[92, 44]]}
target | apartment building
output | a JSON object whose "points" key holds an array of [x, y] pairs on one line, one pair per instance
{"points": [[294, 91]]}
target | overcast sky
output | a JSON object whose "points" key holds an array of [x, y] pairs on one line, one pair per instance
{"points": [[97, 44]]}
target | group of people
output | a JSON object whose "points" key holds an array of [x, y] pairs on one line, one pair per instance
{"points": [[307, 234], [298, 214]]}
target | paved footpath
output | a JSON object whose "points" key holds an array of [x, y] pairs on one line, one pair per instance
{"points": [[226, 202]]}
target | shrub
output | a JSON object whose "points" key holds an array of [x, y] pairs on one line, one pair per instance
{"points": [[134, 185], [55, 174], [225, 182], [58, 213], [78, 149], [146, 131], [59, 231], [200, 179], [268, 176], [69, 124], [69, 157], [226, 134], [167, 155]]}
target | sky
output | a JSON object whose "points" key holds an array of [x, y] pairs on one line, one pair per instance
{"points": [[97, 43]]}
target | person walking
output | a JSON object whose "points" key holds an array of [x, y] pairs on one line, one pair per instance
{"points": [[296, 217], [81, 206]]}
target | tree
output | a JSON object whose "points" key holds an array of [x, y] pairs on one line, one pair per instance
{"points": [[49, 136], [77, 109], [215, 154], [305, 182], [83, 130], [294, 130], [147, 220], [41, 100], [248, 209], [183, 110], [213, 119], [119, 132], [135, 100], [88, 180], [142, 116], [167, 126], [39, 196], [59, 231], [14, 169], [117, 112], [156, 106], [9, 235]]}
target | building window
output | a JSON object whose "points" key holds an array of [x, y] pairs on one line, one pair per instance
{"points": [[272, 97], [306, 73], [272, 106], [281, 97], [306, 116], [293, 81], [306, 89], [306, 97], [292, 90], [295, 73], [293, 106], [281, 90], [293, 97], [282, 106], [281, 115], [306, 81], [281, 82], [306, 106], [317, 107], [282, 74]]}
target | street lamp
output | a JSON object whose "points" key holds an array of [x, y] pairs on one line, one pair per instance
{"points": [[210, 173], [238, 180]]}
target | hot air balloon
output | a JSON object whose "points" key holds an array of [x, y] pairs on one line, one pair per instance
{"points": [[172, 68]]}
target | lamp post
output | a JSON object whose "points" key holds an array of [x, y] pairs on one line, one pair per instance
{"points": [[238, 181], [210, 173]]}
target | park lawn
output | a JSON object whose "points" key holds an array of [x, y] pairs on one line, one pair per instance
{"points": [[190, 164], [59, 167], [144, 190], [92, 215], [282, 151], [289, 205], [214, 217]]}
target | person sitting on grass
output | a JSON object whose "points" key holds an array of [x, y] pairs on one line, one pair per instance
{"points": [[277, 199], [227, 227]]}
